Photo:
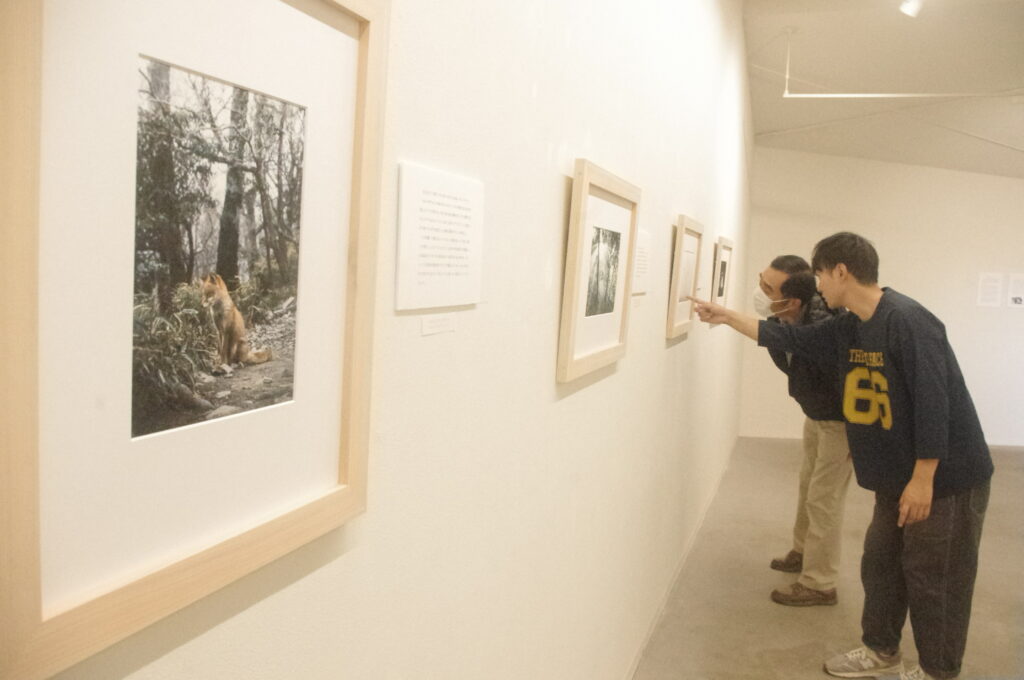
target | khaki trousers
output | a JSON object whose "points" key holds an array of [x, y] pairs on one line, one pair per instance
{"points": [[824, 478]]}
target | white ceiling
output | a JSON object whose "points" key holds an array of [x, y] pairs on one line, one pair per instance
{"points": [[968, 47]]}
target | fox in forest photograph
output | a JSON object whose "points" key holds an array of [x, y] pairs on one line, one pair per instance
{"points": [[218, 199], [232, 343]]}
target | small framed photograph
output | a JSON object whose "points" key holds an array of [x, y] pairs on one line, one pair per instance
{"points": [[724, 258], [688, 238], [598, 271]]}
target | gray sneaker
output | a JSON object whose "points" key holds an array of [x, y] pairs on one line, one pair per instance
{"points": [[915, 673], [864, 662]]}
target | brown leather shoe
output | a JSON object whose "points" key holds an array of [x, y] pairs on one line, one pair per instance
{"points": [[793, 563], [801, 596]]}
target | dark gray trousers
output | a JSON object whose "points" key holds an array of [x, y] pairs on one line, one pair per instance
{"points": [[927, 568]]}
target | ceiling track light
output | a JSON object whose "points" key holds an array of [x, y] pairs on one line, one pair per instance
{"points": [[786, 94]]}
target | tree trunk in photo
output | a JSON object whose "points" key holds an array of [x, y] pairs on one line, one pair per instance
{"points": [[227, 244], [272, 227], [296, 151], [282, 198], [266, 252], [190, 270], [165, 199], [293, 214], [264, 146], [250, 242]]}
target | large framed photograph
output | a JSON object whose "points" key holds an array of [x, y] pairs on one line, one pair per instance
{"points": [[722, 270], [598, 271], [688, 238], [188, 258]]}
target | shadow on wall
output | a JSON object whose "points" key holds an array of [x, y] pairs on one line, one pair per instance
{"points": [[139, 650]]}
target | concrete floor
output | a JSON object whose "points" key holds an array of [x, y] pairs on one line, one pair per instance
{"points": [[719, 623]]}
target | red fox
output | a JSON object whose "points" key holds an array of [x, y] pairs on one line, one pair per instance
{"points": [[233, 347]]}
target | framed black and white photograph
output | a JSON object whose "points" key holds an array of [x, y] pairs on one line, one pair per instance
{"points": [[194, 215], [687, 245], [599, 264], [722, 272]]}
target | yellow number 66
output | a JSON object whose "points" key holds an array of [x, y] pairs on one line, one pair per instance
{"points": [[870, 387]]}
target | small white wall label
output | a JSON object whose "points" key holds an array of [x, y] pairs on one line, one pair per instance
{"points": [[440, 238]]}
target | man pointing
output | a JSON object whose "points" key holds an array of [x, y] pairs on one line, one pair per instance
{"points": [[916, 442]]}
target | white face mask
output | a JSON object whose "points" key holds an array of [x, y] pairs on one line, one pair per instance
{"points": [[763, 303]]}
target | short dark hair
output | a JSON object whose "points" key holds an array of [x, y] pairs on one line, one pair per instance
{"points": [[800, 286], [790, 264], [856, 252]]}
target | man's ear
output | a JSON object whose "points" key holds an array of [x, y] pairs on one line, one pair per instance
{"points": [[840, 272]]}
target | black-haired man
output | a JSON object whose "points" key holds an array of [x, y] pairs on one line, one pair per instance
{"points": [[916, 442], [787, 294]]}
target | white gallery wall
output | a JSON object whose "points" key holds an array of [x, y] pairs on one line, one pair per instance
{"points": [[516, 528], [936, 232]]}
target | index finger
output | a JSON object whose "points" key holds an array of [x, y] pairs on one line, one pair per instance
{"points": [[697, 300], [904, 511]]}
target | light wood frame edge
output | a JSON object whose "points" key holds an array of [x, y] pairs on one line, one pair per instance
{"points": [[31, 647], [683, 224], [587, 175], [21, 29]]}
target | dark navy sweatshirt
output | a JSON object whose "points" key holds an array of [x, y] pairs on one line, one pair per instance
{"points": [[903, 395], [812, 382]]}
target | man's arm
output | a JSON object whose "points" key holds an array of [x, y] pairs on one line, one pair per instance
{"points": [[815, 341], [921, 354], [919, 350], [712, 313]]}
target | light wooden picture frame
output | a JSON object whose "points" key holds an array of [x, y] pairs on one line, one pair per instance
{"points": [[686, 256], [37, 643], [599, 263], [725, 259]]}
